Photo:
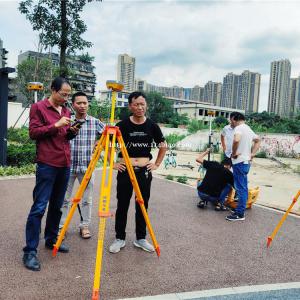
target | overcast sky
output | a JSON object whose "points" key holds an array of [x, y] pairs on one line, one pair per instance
{"points": [[180, 43]]}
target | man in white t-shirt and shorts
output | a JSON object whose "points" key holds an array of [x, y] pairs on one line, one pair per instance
{"points": [[244, 147]]}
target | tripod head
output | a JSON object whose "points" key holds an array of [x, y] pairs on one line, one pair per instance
{"points": [[115, 87]]}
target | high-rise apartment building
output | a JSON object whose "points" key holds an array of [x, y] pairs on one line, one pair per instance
{"points": [[197, 93], [140, 85], [248, 98], [294, 97], [187, 93], [279, 88], [212, 92], [177, 92], [241, 91], [126, 71], [230, 88]]}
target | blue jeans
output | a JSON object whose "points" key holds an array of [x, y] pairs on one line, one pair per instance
{"points": [[221, 198], [51, 185], [240, 172]]}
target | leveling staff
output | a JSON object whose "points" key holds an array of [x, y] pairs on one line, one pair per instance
{"points": [[138, 133]]}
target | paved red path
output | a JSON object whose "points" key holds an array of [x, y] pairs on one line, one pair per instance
{"points": [[199, 250]]}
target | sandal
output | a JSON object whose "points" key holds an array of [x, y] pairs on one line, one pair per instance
{"points": [[220, 207], [85, 233], [202, 204]]}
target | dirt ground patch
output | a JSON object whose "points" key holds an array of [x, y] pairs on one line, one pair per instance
{"points": [[278, 180]]}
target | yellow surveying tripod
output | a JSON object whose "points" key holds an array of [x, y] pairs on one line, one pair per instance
{"points": [[110, 135]]}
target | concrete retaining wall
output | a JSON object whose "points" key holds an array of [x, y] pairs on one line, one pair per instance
{"points": [[272, 144], [14, 111]]}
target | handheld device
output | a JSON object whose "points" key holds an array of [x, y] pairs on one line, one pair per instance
{"points": [[78, 123]]}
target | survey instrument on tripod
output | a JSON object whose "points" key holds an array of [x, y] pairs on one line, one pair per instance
{"points": [[110, 136], [272, 236]]}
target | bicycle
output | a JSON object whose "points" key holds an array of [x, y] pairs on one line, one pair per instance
{"points": [[170, 160]]}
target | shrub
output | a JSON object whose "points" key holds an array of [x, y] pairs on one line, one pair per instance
{"points": [[14, 171], [196, 125], [20, 155], [177, 119], [19, 135], [261, 154], [182, 179], [170, 177], [172, 139], [297, 170], [220, 122]]}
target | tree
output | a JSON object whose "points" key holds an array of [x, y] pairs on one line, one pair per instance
{"points": [[268, 122], [122, 113], [160, 109], [33, 70], [85, 57], [220, 121], [100, 110], [58, 23]]}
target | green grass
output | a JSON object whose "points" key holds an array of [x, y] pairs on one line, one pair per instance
{"points": [[170, 177], [182, 179]]}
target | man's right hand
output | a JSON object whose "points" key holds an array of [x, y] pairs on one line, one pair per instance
{"points": [[62, 122], [121, 167]]}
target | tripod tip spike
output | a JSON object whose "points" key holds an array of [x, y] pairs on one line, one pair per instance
{"points": [[157, 250], [269, 241], [95, 295], [54, 251]]}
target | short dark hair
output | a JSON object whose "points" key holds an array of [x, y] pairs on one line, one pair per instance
{"points": [[78, 94], [238, 117], [232, 114], [226, 162], [135, 95], [57, 83]]}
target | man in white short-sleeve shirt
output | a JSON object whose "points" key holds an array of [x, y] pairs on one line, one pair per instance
{"points": [[244, 147], [227, 137]]}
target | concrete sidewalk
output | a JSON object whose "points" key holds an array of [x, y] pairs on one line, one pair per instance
{"points": [[200, 250]]}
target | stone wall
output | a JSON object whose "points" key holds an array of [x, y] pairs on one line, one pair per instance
{"points": [[280, 144]]}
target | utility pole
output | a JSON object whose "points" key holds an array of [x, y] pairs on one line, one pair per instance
{"points": [[3, 53], [4, 71], [3, 112], [211, 114]]}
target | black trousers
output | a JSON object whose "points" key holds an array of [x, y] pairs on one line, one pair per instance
{"points": [[124, 193]]}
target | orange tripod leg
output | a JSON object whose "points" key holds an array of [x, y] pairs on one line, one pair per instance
{"points": [[104, 207], [80, 192], [272, 236]]}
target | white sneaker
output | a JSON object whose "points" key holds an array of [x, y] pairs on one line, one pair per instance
{"points": [[116, 246], [144, 244]]}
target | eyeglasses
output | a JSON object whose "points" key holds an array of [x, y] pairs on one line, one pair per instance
{"points": [[65, 96]]}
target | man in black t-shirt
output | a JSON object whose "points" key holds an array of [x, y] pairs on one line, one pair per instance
{"points": [[140, 134], [216, 183]]}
